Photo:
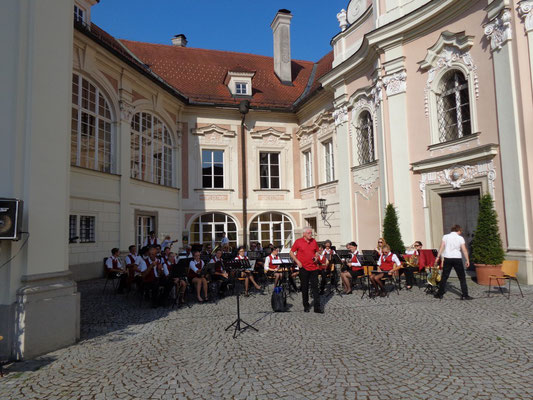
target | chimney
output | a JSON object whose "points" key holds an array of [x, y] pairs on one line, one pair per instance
{"points": [[281, 29], [179, 40]]}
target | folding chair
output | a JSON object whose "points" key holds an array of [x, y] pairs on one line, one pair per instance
{"points": [[509, 270]]}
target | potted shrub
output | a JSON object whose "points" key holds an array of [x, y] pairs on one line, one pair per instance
{"points": [[391, 230], [487, 248]]}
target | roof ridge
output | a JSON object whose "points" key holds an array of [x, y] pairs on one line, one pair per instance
{"points": [[210, 50]]}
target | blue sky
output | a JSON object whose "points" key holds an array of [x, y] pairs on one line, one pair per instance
{"points": [[234, 25]]}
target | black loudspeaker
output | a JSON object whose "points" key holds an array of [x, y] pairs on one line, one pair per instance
{"points": [[10, 219]]}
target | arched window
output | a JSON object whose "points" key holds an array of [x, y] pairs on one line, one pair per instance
{"points": [[272, 227], [91, 133], [208, 228], [151, 150], [365, 138], [453, 106]]}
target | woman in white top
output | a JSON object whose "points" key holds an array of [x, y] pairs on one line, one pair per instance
{"points": [[247, 274], [451, 247]]}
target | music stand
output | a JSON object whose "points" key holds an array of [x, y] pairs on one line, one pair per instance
{"points": [[181, 270], [238, 266], [367, 260], [335, 260]]}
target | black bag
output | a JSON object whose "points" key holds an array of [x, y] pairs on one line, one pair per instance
{"points": [[279, 300]]}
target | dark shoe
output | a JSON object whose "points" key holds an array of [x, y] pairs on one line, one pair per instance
{"points": [[246, 295], [319, 311], [467, 297], [438, 296], [322, 292], [382, 294], [307, 309]]}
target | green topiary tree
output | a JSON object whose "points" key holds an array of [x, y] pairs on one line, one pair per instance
{"points": [[391, 230], [487, 245]]}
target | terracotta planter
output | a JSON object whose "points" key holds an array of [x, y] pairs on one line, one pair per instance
{"points": [[483, 272]]}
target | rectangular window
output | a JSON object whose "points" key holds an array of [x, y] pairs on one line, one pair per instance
{"points": [[330, 168], [212, 169], [73, 229], [308, 169], [269, 170], [79, 14], [87, 229], [241, 88], [145, 224]]}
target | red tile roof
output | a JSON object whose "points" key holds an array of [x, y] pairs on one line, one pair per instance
{"points": [[199, 74]]}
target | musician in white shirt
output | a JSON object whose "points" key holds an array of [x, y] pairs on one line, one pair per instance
{"points": [[247, 274], [151, 240], [168, 242], [450, 249], [196, 278], [116, 270], [352, 270], [272, 264]]}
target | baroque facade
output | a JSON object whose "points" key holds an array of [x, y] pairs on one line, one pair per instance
{"points": [[420, 103]]}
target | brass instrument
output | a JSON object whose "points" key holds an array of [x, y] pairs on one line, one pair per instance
{"points": [[215, 249], [411, 261], [434, 276]]}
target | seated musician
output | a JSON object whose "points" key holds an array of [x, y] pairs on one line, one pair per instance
{"points": [[166, 252], [186, 253], [220, 272], [328, 250], [353, 269], [195, 277], [116, 270], [155, 276], [246, 274], [414, 252], [179, 283], [323, 263], [379, 246], [133, 261], [388, 263], [272, 265]]}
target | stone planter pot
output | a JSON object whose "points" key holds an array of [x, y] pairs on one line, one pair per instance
{"points": [[483, 271]]}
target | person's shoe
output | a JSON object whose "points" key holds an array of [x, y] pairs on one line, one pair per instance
{"points": [[319, 311], [467, 297], [438, 296], [382, 294], [307, 309]]}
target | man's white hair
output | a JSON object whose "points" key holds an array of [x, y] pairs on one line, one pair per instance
{"points": [[308, 228]]}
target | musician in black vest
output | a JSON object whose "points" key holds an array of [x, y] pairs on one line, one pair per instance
{"points": [[116, 270], [220, 273]]}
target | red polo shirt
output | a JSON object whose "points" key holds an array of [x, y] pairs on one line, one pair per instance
{"points": [[305, 251]]}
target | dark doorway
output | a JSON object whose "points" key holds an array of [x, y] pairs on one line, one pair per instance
{"points": [[461, 208]]}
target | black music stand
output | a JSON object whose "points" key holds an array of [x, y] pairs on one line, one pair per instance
{"points": [[181, 270], [287, 264], [367, 260], [335, 260], [238, 266]]}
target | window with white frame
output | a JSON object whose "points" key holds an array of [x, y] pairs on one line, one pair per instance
{"points": [[87, 229], [269, 170], [208, 228], [151, 150], [79, 14], [91, 132], [453, 106], [272, 227], [73, 228], [145, 224], [212, 169], [329, 162], [365, 138], [308, 169], [241, 88]]}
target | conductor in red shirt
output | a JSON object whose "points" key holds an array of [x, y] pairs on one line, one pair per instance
{"points": [[304, 253]]}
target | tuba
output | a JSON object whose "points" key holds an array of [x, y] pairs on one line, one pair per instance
{"points": [[434, 276]]}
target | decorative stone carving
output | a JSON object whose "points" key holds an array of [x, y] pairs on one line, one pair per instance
{"points": [[499, 30], [457, 175], [306, 139], [323, 124], [524, 11], [342, 18], [365, 178], [213, 130], [340, 115], [356, 8], [331, 190], [214, 197], [450, 49], [126, 110], [396, 83], [269, 133], [271, 197]]}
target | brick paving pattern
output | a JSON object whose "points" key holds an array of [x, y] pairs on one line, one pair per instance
{"points": [[407, 346]]}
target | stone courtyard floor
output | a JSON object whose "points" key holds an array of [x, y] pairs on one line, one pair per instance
{"points": [[407, 346]]}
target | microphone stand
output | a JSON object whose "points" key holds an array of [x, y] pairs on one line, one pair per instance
{"points": [[239, 268]]}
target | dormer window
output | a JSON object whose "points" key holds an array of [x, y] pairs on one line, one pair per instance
{"points": [[241, 88], [239, 81], [79, 14]]}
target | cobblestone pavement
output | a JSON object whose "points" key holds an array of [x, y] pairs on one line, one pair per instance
{"points": [[407, 346]]}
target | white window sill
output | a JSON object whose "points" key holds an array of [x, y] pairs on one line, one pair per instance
{"points": [[450, 143], [271, 190], [213, 190]]}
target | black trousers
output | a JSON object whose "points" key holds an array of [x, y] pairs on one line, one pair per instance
{"points": [[457, 265], [306, 278], [223, 284], [409, 277], [324, 276]]}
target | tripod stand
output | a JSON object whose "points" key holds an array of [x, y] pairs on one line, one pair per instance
{"points": [[237, 323]]}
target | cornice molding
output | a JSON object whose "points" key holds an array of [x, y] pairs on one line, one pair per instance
{"points": [[213, 129]]}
